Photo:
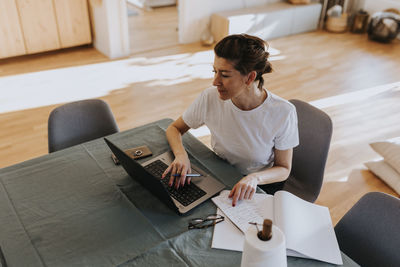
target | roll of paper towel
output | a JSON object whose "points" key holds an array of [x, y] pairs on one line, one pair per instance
{"points": [[257, 253]]}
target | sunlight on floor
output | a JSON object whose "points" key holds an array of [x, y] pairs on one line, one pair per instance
{"points": [[354, 96], [90, 81], [342, 180], [96, 80]]}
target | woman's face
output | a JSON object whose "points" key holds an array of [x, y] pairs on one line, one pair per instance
{"points": [[229, 81]]}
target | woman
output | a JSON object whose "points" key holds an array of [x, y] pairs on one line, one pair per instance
{"points": [[251, 128]]}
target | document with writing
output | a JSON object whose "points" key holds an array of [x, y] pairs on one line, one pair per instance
{"points": [[307, 227]]}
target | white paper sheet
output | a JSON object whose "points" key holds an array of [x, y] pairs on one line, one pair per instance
{"points": [[227, 235], [307, 227], [257, 209]]}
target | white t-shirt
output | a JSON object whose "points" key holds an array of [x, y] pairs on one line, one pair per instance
{"points": [[246, 139]]}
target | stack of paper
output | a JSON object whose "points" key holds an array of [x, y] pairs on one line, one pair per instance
{"points": [[307, 227]]}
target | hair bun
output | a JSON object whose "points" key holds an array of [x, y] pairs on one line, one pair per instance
{"points": [[268, 66], [247, 53]]}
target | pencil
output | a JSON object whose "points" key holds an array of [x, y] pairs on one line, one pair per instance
{"points": [[189, 175]]}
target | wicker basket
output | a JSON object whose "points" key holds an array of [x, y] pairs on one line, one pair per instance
{"points": [[337, 24], [299, 2]]}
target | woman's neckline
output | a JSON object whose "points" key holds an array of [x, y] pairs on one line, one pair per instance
{"points": [[266, 96]]}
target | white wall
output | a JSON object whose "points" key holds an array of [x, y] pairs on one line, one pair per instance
{"points": [[194, 15], [110, 25], [372, 6]]}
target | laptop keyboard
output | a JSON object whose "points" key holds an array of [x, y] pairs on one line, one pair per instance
{"points": [[185, 195]]}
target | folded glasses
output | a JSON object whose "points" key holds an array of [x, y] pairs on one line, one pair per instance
{"points": [[210, 220]]}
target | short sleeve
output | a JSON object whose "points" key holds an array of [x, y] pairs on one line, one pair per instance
{"points": [[288, 134], [194, 116]]}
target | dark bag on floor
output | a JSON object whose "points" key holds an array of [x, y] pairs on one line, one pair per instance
{"points": [[384, 27]]}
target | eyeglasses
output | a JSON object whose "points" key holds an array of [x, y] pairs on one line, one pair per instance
{"points": [[210, 220]]}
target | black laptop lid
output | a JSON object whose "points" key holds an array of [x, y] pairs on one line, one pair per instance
{"points": [[136, 171]]}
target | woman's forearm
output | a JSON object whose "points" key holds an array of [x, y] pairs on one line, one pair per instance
{"points": [[246, 187], [279, 172], [272, 175], [174, 137]]}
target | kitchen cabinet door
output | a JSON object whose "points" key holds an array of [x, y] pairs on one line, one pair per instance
{"points": [[11, 38], [73, 22], [39, 25]]}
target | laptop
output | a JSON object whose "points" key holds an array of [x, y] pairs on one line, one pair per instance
{"points": [[148, 174]]}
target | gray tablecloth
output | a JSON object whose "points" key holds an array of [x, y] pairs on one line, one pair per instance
{"points": [[75, 207]]}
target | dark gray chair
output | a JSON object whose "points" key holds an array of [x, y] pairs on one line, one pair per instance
{"points": [[77, 122], [309, 157], [369, 233]]}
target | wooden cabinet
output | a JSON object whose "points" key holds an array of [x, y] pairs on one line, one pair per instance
{"points": [[11, 38], [73, 22], [39, 25], [32, 26]]}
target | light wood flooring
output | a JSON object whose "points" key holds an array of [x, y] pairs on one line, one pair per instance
{"points": [[354, 80]]}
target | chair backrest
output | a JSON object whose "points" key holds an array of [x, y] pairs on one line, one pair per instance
{"points": [[78, 122], [369, 232], [309, 157]]}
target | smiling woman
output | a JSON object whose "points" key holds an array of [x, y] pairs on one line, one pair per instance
{"points": [[251, 128]]}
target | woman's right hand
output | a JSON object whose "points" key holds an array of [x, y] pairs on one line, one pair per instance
{"points": [[178, 170], [181, 164]]}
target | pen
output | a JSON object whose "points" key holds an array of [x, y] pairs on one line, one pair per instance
{"points": [[189, 175]]}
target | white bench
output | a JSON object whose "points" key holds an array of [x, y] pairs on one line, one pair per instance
{"points": [[268, 21]]}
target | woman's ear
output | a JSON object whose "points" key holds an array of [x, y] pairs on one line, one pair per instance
{"points": [[251, 77]]}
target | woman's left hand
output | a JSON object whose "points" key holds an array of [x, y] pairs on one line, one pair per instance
{"points": [[244, 189]]}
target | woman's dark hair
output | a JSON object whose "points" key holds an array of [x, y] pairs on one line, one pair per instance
{"points": [[247, 53]]}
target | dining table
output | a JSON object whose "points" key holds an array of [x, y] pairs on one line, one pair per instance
{"points": [[76, 207]]}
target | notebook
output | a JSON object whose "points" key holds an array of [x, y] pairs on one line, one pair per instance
{"points": [[307, 227], [148, 174]]}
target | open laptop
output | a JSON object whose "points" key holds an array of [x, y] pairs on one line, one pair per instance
{"points": [[149, 175]]}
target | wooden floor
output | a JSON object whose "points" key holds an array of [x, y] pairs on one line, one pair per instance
{"points": [[354, 80]]}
